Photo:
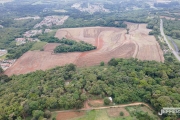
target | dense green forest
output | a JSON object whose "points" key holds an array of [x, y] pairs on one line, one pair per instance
{"points": [[154, 25], [48, 39], [12, 30], [67, 45], [124, 80], [167, 5], [172, 28], [18, 51], [73, 46], [79, 19]]}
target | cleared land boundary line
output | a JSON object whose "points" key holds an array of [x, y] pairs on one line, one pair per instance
{"points": [[106, 107]]}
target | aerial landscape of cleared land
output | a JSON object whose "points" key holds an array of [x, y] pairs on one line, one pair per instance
{"points": [[89, 60], [110, 42]]}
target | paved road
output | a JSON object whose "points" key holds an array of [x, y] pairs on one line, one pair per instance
{"points": [[174, 44], [162, 33]]}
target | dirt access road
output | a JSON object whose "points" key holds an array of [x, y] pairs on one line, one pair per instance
{"points": [[100, 108], [61, 114], [170, 47]]}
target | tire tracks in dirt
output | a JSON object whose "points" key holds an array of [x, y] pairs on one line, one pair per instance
{"points": [[136, 50], [97, 44], [160, 56], [135, 28]]}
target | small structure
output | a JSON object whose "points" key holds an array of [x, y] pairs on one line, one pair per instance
{"points": [[52, 20], [32, 33], [20, 41], [110, 98], [33, 39], [25, 18], [47, 30], [5, 64], [3, 52], [1, 26]]}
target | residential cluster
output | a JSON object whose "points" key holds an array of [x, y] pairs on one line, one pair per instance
{"points": [[91, 8], [52, 20], [60, 11], [47, 30], [3, 52], [1, 26], [5, 1], [20, 41], [32, 33], [5, 64], [25, 18]]}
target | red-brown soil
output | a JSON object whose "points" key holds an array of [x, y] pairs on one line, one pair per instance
{"points": [[50, 47], [69, 115], [96, 103], [115, 112], [110, 42]]}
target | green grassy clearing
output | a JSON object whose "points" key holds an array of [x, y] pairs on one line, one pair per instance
{"points": [[177, 42], [143, 109], [103, 114], [38, 46], [52, 33], [3, 57], [169, 41], [53, 115]]}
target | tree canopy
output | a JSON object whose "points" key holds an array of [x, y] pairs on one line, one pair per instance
{"points": [[73, 46], [68, 87]]}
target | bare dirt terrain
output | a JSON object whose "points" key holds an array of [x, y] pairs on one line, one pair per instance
{"points": [[110, 42], [69, 115], [115, 112], [40, 60], [96, 103]]}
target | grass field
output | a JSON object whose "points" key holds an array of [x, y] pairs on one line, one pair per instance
{"points": [[113, 114], [177, 42], [143, 109], [38, 46], [3, 57], [169, 41], [102, 115]]}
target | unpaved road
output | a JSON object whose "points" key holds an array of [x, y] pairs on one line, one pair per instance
{"points": [[106, 107], [162, 33]]}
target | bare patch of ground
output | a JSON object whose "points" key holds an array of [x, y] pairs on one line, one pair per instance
{"points": [[50, 47], [110, 42], [115, 112], [69, 115], [39, 60], [96, 103]]}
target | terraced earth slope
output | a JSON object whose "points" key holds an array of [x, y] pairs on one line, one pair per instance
{"points": [[110, 42]]}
